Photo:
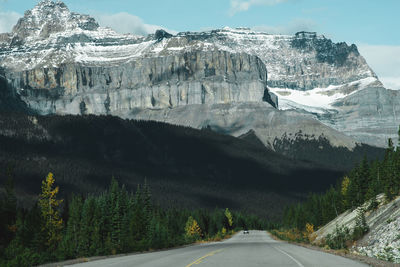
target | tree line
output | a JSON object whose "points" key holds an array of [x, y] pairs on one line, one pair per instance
{"points": [[363, 183], [115, 221]]}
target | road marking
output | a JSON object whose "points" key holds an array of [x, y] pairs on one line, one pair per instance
{"points": [[296, 261], [199, 260]]}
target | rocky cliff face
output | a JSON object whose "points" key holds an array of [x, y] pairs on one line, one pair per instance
{"points": [[10, 101], [155, 83], [62, 62], [303, 62]]}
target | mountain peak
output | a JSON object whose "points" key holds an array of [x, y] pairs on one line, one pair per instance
{"points": [[50, 4], [49, 17]]}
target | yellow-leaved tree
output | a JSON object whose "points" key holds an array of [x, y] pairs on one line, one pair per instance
{"points": [[345, 188], [310, 232], [192, 229], [49, 205], [229, 217]]}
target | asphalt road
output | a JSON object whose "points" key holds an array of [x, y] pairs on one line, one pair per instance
{"points": [[254, 249]]}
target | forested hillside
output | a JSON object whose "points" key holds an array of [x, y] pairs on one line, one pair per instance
{"points": [[360, 185], [183, 166]]}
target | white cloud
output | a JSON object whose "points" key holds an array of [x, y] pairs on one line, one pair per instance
{"points": [[127, 23], [8, 20], [384, 60], [241, 5], [292, 27]]}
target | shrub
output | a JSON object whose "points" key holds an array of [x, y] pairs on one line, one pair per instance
{"points": [[339, 239]]}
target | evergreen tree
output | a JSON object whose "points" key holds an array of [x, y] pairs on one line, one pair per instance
{"points": [[374, 187], [31, 234], [364, 176], [86, 230], [8, 212], [72, 236], [158, 232], [389, 172], [361, 225], [116, 214], [104, 224]]}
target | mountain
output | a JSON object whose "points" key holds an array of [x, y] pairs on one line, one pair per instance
{"points": [[231, 80]]}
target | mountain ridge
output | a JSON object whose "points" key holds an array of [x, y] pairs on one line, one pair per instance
{"points": [[83, 68]]}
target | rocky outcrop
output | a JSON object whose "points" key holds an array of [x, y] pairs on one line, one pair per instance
{"points": [[382, 241], [154, 83], [371, 115]]}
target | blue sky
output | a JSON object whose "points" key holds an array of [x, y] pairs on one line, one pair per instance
{"points": [[371, 24]]}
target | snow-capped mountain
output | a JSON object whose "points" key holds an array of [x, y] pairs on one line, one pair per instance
{"points": [[232, 80]]}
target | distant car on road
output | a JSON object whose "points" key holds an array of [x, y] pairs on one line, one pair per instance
{"points": [[246, 232]]}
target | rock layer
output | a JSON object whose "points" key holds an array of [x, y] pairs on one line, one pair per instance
{"points": [[161, 82]]}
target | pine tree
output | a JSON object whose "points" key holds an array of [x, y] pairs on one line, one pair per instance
{"points": [[104, 224], [49, 205], [158, 232], [125, 214], [374, 187], [389, 172], [141, 216], [355, 196], [313, 209], [137, 226], [8, 212], [365, 178], [289, 217], [361, 225], [33, 236], [96, 242], [72, 235], [86, 230], [116, 214], [147, 202]]}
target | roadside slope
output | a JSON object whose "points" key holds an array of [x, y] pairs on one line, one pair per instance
{"points": [[383, 239]]}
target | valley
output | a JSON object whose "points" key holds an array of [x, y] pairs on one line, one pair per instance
{"points": [[116, 143]]}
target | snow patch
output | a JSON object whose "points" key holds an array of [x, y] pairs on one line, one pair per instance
{"points": [[318, 100]]}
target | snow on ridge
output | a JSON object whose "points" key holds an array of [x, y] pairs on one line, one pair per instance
{"points": [[97, 45], [90, 53], [318, 100]]}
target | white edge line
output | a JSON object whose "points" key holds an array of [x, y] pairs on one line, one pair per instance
{"points": [[296, 261]]}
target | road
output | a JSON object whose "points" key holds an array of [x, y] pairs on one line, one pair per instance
{"points": [[254, 249]]}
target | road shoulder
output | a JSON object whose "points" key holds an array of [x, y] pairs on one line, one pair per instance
{"points": [[364, 259]]}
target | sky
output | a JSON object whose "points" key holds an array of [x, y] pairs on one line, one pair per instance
{"points": [[373, 25]]}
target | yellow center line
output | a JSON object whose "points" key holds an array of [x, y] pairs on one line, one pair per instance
{"points": [[199, 260]]}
